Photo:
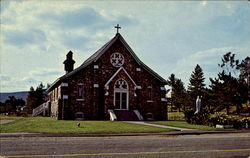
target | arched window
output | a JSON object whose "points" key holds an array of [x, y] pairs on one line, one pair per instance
{"points": [[121, 95], [121, 84]]}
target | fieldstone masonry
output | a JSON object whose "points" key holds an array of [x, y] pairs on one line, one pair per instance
{"points": [[144, 92]]}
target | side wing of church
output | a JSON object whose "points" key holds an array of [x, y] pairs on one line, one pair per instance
{"points": [[113, 80]]}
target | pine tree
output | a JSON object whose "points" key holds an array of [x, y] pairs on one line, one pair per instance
{"points": [[31, 99], [196, 86], [178, 91], [230, 89], [35, 97]]}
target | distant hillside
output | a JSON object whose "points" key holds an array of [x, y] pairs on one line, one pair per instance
{"points": [[19, 95]]}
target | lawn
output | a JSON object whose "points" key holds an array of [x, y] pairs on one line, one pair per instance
{"points": [[51, 125], [176, 116], [183, 124]]}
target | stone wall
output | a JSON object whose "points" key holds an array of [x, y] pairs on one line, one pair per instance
{"points": [[95, 103]]}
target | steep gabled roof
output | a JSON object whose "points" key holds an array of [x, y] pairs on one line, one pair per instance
{"points": [[99, 53]]}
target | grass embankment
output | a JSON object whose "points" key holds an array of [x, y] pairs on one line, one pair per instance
{"points": [[183, 124], [51, 125]]}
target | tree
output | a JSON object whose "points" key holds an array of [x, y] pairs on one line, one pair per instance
{"points": [[196, 86], [12, 103], [40, 94], [244, 68], [230, 88], [178, 91], [31, 99], [35, 97]]}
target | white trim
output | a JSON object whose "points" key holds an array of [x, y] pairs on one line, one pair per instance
{"points": [[139, 116], [138, 87], [107, 93], [79, 99], [150, 101], [163, 88], [163, 99], [138, 69], [112, 115], [65, 97], [127, 92], [96, 67], [64, 84], [96, 85], [121, 68]]}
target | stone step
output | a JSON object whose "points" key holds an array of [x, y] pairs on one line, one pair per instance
{"points": [[126, 115]]}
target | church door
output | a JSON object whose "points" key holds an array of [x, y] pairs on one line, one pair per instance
{"points": [[121, 95]]}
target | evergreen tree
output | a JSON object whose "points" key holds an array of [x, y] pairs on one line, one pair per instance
{"points": [[40, 94], [35, 97], [12, 103], [196, 86], [244, 68], [178, 92], [230, 88], [31, 99]]}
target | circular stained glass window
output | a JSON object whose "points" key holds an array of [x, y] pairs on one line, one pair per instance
{"points": [[117, 59]]}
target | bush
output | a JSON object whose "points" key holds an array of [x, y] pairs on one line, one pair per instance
{"points": [[22, 113], [202, 118], [237, 121]]}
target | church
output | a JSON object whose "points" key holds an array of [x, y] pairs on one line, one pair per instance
{"points": [[113, 83]]}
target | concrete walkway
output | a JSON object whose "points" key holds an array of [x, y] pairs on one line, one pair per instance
{"points": [[5, 121], [160, 126]]}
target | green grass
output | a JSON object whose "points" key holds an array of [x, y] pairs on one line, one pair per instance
{"points": [[176, 116], [51, 125], [183, 124]]}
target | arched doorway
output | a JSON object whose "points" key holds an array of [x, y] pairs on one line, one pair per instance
{"points": [[121, 95]]}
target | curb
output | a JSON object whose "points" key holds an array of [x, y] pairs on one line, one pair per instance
{"points": [[175, 133]]}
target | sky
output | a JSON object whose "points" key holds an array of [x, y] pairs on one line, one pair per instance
{"points": [[168, 36]]}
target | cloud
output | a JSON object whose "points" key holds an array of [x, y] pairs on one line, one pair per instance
{"points": [[44, 73], [17, 84], [23, 37], [208, 60], [170, 37], [203, 3], [5, 78]]}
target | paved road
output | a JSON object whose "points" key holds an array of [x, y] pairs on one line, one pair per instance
{"points": [[214, 145]]}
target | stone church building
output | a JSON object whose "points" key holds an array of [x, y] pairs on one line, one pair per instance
{"points": [[112, 82]]}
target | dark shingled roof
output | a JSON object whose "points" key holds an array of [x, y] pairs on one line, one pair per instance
{"points": [[99, 53]]}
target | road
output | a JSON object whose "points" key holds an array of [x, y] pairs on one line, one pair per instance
{"points": [[213, 145]]}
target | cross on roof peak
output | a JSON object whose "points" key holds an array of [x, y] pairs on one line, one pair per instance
{"points": [[118, 27]]}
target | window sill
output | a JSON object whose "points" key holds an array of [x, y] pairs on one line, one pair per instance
{"points": [[79, 99]]}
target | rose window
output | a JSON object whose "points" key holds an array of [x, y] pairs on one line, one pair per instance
{"points": [[117, 59]]}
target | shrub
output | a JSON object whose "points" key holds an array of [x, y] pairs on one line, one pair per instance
{"points": [[202, 118], [237, 121]]}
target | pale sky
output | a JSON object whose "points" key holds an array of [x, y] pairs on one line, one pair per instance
{"points": [[168, 36]]}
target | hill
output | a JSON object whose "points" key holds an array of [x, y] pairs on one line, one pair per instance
{"points": [[20, 95]]}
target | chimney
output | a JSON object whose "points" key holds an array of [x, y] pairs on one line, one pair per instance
{"points": [[69, 62]]}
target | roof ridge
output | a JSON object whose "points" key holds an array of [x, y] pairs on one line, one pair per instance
{"points": [[100, 52], [92, 57]]}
